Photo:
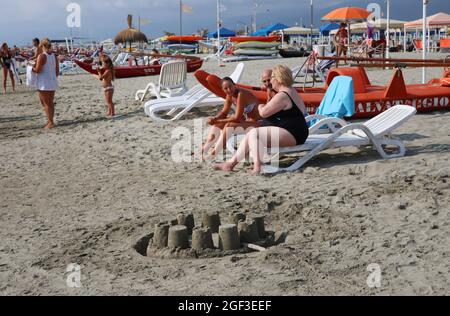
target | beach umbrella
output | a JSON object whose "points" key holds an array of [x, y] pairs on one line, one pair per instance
{"points": [[347, 15], [223, 33], [327, 28], [272, 28], [130, 35]]}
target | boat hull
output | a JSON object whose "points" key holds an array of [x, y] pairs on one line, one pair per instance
{"points": [[122, 72], [242, 39], [293, 53], [255, 52], [257, 45]]}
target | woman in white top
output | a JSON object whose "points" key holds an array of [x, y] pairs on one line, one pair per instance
{"points": [[47, 69]]}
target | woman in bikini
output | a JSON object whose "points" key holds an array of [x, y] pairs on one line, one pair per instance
{"points": [[106, 76], [224, 126], [283, 124], [341, 41], [6, 61]]}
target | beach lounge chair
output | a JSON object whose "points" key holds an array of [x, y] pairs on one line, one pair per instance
{"points": [[444, 45], [376, 132], [121, 58], [172, 82], [417, 45], [177, 107], [314, 67]]}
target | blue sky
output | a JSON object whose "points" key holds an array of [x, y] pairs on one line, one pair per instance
{"points": [[101, 19]]}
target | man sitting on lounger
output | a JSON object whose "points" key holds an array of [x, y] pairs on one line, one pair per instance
{"points": [[267, 85]]}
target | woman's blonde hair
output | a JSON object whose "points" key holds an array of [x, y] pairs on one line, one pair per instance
{"points": [[283, 75], [46, 44]]}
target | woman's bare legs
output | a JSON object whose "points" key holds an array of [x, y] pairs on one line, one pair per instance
{"points": [[13, 82], [213, 137], [228, 131], [47, 100], [5, 77], [109, 102], [255, 142]]}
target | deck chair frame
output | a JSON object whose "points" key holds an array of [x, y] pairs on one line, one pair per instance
{"points": [[172, 82], [177, 107], [357, 134]]}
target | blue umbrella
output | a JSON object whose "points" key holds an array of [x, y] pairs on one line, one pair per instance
{"points": [[223, 33], [267, 30], [327, 28]]}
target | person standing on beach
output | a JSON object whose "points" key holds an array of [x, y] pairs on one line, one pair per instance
{"points": [[37, 49], [6, 62], [341, 41], [47, 69], [106, 76]]}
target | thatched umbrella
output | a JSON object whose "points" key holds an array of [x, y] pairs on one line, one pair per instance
{"points": [[130, 34]]}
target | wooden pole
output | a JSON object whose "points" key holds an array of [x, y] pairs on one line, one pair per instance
{"points": [[403, 65], [392, 60]]}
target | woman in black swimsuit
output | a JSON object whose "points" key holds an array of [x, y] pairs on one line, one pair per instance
{"points": [[5, 61], [284, 123]]}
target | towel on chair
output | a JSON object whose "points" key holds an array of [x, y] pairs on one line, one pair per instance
{"points": [[339, 101]]}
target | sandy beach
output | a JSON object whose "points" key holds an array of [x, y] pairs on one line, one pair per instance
{"points": [[87, 191]]}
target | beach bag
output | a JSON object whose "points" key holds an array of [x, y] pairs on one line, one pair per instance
{"points": [[31, 78]]}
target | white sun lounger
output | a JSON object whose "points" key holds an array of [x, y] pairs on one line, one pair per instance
{"points": [[172, 82], [177, 107], [376, 132]]}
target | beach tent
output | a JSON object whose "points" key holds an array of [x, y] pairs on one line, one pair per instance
{"points": [[427, 23], [272, 28], [292, 31], [223, 33], [438, 20], [327, 28], [380, 24]]}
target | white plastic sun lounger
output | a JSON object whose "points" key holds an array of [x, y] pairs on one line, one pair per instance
{"points": [[172, 82], [177, 107], [376, 132]]}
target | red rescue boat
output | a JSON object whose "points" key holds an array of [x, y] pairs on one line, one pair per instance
{"points": [[193, 64], [370, 100]]}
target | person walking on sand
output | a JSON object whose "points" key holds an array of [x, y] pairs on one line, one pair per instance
{"points": [[6, 57], [284, 123], [106, 76], [47, 70]]}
